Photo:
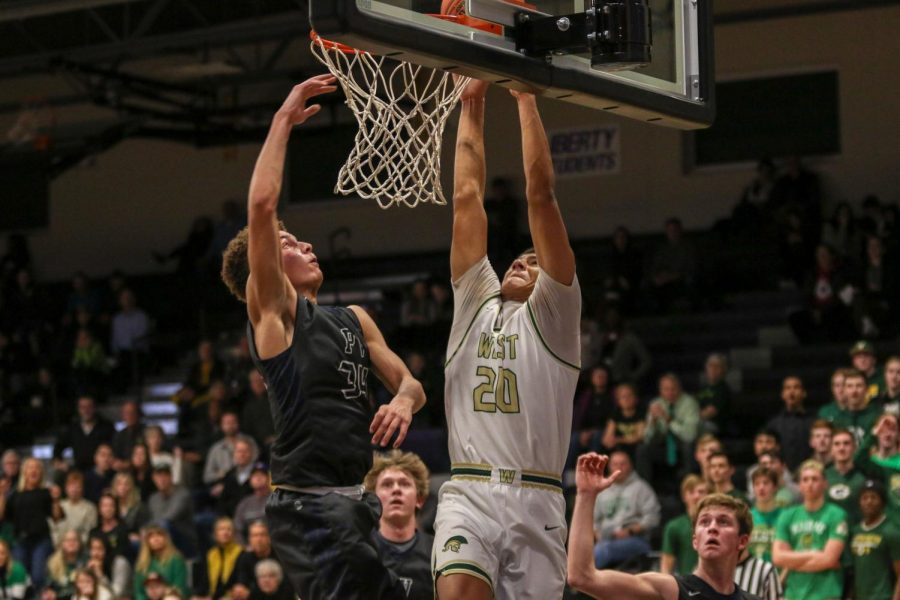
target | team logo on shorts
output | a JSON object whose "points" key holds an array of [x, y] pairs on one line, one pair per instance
{"points": [[455, 543]]}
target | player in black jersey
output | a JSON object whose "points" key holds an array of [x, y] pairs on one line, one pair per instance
{"points": [[722, 529], [316, 362], [400, 480]]}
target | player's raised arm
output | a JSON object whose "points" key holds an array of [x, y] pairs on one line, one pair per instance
{"points": [[589, 482], [548, 231], [409, 396], [268, 291], [470, 224]]}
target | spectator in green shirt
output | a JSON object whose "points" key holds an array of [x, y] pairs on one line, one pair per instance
{"points": [[838, 403], [875, 546], [809, 540], [678, 553], [158, 555], [14, 580], [844, 479], [720, 474], [765, 514], [859, 417]]}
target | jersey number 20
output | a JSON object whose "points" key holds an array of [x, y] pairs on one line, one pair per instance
{"points": [[499, 391]]}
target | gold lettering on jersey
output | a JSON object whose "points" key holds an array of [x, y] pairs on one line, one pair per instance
{"points": [[485, 389], [498, 390], [497, 346], [511, 341], [484, 345], [500, 351], [864, 544], [507, 392], [507, 475]]}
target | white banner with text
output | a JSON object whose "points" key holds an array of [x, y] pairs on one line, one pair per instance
{"points": [[585, 151]]}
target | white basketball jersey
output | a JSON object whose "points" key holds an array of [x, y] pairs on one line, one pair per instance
{"points": [[511, 372]]}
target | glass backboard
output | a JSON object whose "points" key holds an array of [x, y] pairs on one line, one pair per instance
{"points": [[675, 89]]}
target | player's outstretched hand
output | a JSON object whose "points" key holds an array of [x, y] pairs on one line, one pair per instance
{"points": [[589, 477], [391, 418], [476, 89], [519, 95], [294, 106]]}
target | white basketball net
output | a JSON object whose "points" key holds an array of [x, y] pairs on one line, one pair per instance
{"points": [[401, 109]]}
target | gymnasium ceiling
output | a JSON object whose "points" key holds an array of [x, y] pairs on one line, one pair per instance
{"points": [[205, 72]]}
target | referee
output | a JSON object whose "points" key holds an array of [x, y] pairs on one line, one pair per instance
{"points": [[758, 577]]}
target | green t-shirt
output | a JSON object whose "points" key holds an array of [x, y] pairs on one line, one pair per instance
{"points": [[174, 572], [811, 531], [874, 551], [830, 412], [7, 533], [763, 534], [843, 490], [860, 422], [678, 541], [16, 583], [784, 497]]}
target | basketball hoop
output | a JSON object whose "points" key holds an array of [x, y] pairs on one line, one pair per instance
{"points": [[401, 109]]}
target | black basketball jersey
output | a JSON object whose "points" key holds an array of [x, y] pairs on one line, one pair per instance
{"points": [[318, 395], [411, 564], [691, 587]]}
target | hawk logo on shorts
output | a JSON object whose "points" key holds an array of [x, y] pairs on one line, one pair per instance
{"points": [[455, 543]]}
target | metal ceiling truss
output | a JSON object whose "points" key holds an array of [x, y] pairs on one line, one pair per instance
{"points": [[94, 45], [121, 30]]}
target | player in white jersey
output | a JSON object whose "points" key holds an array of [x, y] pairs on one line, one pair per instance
{"points": [[511, 371]]}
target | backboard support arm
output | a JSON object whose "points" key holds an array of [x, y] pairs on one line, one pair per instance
{"points": [[616, 35]]}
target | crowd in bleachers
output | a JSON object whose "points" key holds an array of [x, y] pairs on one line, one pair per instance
{"points": [[135, 509]]}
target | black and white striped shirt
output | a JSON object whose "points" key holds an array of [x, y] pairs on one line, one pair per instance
{"points": [[760, 578]]}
